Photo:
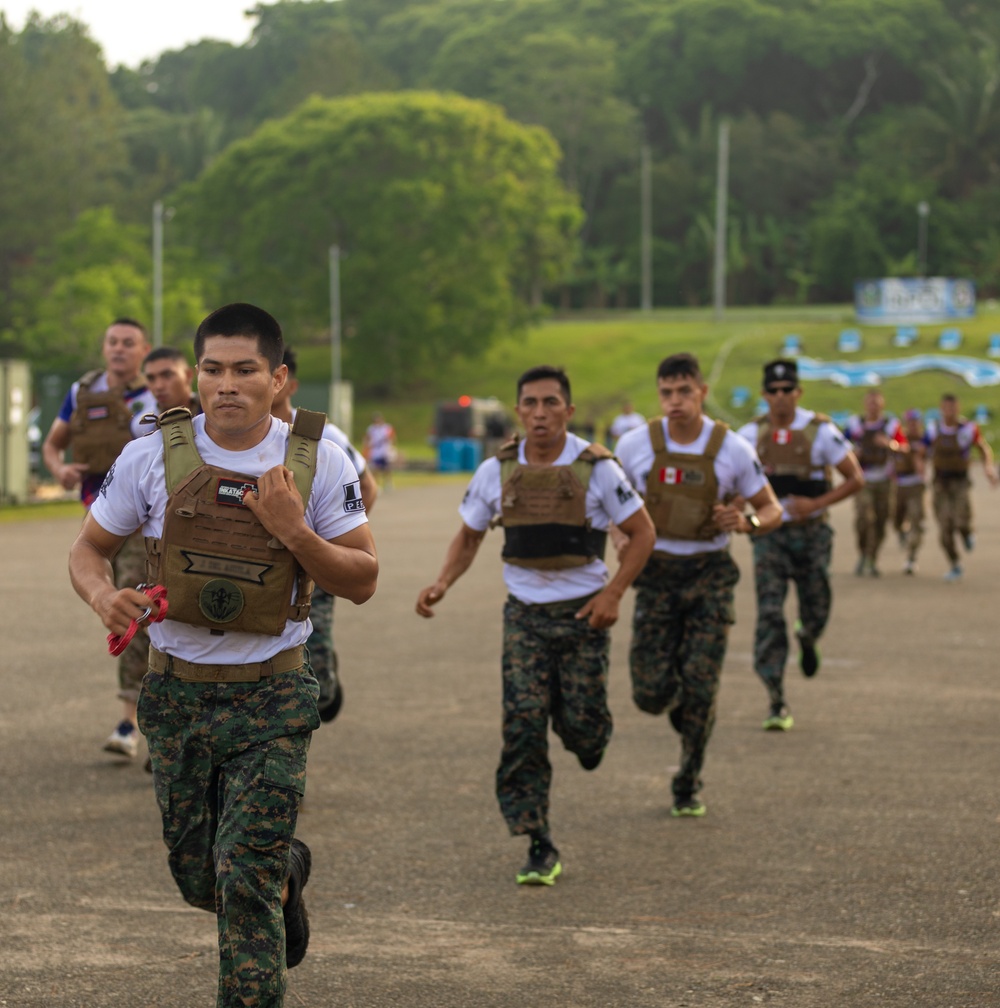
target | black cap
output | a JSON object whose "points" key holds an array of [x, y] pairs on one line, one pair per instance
{"points": [[781, 370]]}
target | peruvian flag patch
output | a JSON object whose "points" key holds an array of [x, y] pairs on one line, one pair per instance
{"points": [[782, 436], [672, 475]]}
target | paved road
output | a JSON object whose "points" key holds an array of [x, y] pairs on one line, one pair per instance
{"points": [[851, 862]]}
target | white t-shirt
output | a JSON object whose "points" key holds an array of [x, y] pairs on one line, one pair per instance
{"points": [[829, 448], [610, 499], [134, 493], [737, 470], [623, 423]]}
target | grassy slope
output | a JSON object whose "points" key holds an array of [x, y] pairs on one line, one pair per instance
{"points": [[612, 358]]}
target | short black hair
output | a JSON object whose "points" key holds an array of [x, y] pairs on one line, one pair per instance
{"points": [[164, 353], [543, 372], [134, 323], [242, 319], [290, 360], [949, 397], [680, 365]]}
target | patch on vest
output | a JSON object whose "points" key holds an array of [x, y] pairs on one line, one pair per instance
{"points": [[221, 601], [98, 412], [782, 436], [242, 570], [674, 476], [231, 491]]}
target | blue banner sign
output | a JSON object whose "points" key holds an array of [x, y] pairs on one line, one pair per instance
{"points": [[895, 301]]}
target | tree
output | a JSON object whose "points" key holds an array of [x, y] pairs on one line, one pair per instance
{"points": [[451, 217]]}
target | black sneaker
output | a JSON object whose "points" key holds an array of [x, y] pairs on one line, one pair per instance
{"points": [[543, 867], [687, 805], [591, 762], [294, 910]]}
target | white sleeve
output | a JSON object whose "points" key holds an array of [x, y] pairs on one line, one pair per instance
{"points": [[481, 503], [335, 505]]}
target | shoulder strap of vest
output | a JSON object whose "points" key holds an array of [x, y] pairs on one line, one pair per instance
{"points": [[90, 377], [303, 446], [180, 457], [819, 418], [656, 438], [594, 453], [508, 450], [715, 439]]}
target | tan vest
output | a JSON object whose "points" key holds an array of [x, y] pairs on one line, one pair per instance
{"points": [[871, 454], [681, 490], [543, 511], [947, 455], [904, 463], [100, 425], [786, 456], [220, 566]]}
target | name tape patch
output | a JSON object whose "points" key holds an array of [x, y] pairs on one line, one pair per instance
{"points": [[231, 491]]}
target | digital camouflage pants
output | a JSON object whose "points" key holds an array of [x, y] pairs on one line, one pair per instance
{"points": [[322, 656], [908, 519], [229, 770], [953, 513], [872, 505], [683, 611], [130, 570], [799, 553], [554, 667]]}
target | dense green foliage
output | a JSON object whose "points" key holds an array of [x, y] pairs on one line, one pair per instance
{"points": [[845, 114]]}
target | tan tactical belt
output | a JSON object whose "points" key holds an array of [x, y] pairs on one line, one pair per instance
{"points": [[284, 661]]}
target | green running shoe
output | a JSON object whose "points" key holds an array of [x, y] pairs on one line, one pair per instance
{"points": [[688, 806], [779, 719], [543, 867]]}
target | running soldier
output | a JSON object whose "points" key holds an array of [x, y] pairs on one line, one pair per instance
{"points": [[95, 423], [909, 463], [875, 437], [555, 496], [950, 442], [240, 515], [694, 474], [798, 449]]}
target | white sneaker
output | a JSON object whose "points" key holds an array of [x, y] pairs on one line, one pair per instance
{"points": [[124, 740], [955, 574]]}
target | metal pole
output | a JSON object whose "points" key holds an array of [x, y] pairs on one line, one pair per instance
{"points": [[158, 273], [923, 211], [645, 227], [721, 209], [335, 329]]}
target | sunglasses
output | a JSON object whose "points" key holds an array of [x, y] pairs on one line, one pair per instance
{"points": [[776, 389]]}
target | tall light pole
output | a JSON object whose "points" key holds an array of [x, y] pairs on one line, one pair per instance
{"points": [[923, 212], [335, 329], [721, 212], [158, 273], [646, 226]]}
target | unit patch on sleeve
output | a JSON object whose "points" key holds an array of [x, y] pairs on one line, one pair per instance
{"points": [[352, 497]]}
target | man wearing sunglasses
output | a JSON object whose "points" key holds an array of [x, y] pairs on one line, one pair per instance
{"points": [[799, 450]]}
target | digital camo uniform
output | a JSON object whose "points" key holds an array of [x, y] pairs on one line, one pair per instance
{"points": [[228, 705], [684, 596], [873, 504], [908, 512], [100, 423], [798, 461], [949, 449], [554, 665]]}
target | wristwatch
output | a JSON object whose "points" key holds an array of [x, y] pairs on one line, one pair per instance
{"points": [[754, 523]]}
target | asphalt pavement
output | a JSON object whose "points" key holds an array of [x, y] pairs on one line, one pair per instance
{"points": [[848, 862]]}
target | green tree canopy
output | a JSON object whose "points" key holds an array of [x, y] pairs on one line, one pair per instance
{"points": [[450, 217]]}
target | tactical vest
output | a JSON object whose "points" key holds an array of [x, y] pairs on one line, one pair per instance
{"points": [[100, 423], [947, 455], [786, 456], [543, 511], [871, 454], [904, 463], [681, 489], [221, 568]]}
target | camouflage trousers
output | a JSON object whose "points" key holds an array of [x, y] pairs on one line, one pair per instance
{"points": [[130, 570], [908, 518], [554, 666], [229, 770], [953, 512], [683, 611], [872, 504], [322, 656], [794, 552]]}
